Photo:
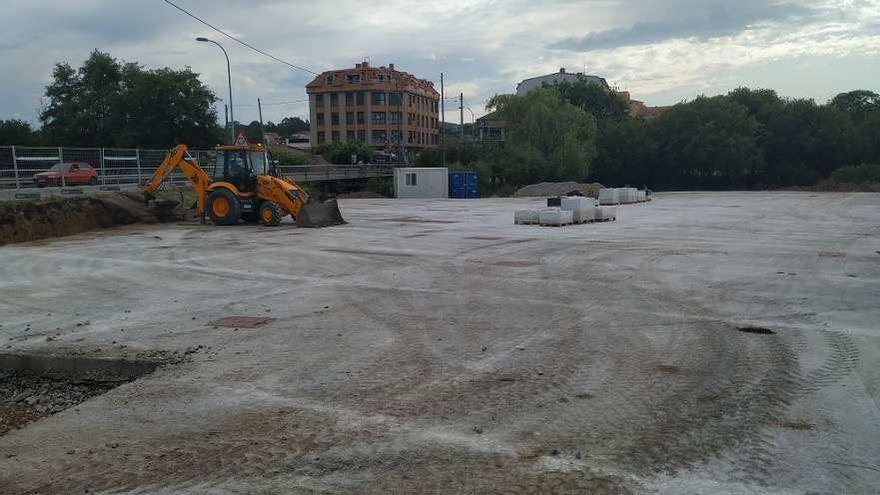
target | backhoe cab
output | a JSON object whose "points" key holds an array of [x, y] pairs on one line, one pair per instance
{"points": [[245, 185]]}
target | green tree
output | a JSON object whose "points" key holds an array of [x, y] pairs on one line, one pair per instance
{"points": [[163, 107], [109, 103], [548, 139], [709, 142], [626, 153], [291, 125], [17, 132], [341, 153], [593, 98], [858, 104]]}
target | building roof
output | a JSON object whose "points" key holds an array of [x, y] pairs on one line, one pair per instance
{"points": [[368, 77], [531, 83]]}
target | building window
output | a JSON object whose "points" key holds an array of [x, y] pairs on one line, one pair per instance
{"points": [[411, 179], [334, 118], [395, 117], [353, 78], [335, 136], [334, 99], [349, 136], [379, 98], [378, 117], [361, 97], [349, 99], [319, 101], [362, 136], [380, 76], [321, 137], [349, 118], [396, 137], [379, 137], [330, 79], [360, 116], [321, 118], [410, 100], [394, 99]]}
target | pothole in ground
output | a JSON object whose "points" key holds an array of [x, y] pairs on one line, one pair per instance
{"points": [[757, 330], [35, 386]]}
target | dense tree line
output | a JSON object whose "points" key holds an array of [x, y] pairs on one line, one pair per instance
{"points": [[287, 127], [745, 139], [110, 103]]}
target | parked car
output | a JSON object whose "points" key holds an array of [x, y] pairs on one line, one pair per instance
{"points": [[74, 174], [383, 157]]}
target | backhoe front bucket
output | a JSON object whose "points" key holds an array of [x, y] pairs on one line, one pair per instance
{"points": [[323, 214]]}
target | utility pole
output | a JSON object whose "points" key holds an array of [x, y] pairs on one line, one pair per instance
{"points": [[262, 131], [442, 121], [226, 116], [461, 109]]}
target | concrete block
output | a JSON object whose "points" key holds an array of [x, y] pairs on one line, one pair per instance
{"points": [[582, 209], [606, 213], [609, 196], [527, 217], [556, 217]]}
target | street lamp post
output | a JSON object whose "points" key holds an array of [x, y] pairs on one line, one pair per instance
{"points": [[229, 78]]}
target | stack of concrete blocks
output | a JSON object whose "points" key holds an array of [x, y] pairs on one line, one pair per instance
{"points": [[555, 217], [527, 217], [606, 213], [582, 209], [609, 196]]}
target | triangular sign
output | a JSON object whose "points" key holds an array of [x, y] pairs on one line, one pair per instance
{"points": [[241, 140]]}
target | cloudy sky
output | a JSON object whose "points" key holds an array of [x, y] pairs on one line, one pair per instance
{"points": [[662, 51]]}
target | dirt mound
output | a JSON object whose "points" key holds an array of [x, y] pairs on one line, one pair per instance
{"points": [[558, 188], [33, 220]]}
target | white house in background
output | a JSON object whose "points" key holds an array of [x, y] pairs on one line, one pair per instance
{"points": [[421, 182], [536, 82]]}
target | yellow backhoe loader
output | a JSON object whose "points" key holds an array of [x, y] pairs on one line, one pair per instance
{"points": [[244, 185]]}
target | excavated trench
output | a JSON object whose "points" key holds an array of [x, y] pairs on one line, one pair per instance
{"points": [[35, 386]]}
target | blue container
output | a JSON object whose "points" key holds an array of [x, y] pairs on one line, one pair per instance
{"points": [[464, 185]]}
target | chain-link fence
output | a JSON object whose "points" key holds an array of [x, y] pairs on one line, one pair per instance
{"points": [[21, 167]]}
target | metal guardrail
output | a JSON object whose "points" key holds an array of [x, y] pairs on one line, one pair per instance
{"points": [[134, 166]]}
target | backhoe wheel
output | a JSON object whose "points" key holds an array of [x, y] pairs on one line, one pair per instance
{"points": [[223, 207], [270, 214]]}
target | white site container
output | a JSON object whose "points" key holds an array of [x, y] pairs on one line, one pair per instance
{"points": [[608, 196], [643, 196], [582, 209], [555, 217], [606, 213], [421, 182], [527, 217], [628, 195]]}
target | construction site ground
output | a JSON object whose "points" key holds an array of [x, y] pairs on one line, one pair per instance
{"points": [[703, 343]]}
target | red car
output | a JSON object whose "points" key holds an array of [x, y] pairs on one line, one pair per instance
{"points": [[74, 174]]}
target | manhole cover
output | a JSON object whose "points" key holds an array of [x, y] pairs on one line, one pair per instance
{"points": [[758, 330], [241, 321]]}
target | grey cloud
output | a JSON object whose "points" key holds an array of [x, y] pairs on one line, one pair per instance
{"points": [[688, 19]]}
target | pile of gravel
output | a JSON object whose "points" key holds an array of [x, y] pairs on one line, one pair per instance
{"points": [[558, 189]]}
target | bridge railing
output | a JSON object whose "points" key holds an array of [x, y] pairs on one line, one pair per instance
{"points": [[134, 166]]}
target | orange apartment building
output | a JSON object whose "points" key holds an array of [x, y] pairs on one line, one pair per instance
{"points": [[386, 108]]}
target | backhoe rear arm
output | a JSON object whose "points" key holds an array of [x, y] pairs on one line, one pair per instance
{"points": [[178, 157]]}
